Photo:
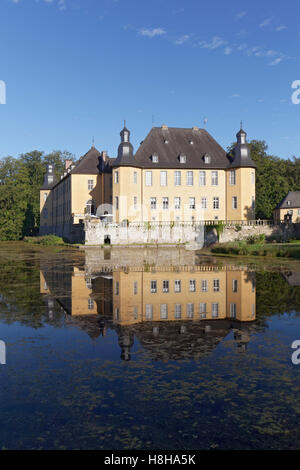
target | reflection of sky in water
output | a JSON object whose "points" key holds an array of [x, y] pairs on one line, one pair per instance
{"points": [[65, 386]]}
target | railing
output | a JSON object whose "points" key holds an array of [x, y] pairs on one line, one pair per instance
{"points": [[157, 224]]}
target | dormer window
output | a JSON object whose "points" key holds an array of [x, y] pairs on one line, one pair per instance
{"points": [[207, 158], [182, 158], [288, 203], [155, 158], [191, 142], [166, 141]]}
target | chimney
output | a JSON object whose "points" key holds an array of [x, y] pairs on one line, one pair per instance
{"points": [[164, 126], [195, 128], [68, 163]]}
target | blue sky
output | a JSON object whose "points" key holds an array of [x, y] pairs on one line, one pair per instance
{"points": [[75, 69]]}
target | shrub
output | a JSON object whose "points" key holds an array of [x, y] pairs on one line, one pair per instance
{"points": [[255, 239], [45, 240]]}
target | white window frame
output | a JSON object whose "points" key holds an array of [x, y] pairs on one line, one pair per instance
{"points": [[166, 286], [153, 286], [163, 311], [204, 203], [164, 178], [177, 285], [234, 202], [148, 178], [215, 309], [190, 310], [214, 178], [153, 203], [192, 285], [202, 178], [189, 178], [177, 202], [233, 310], [177, 178], [216, 203], [202, 307], [232, 177], [149, 312], [165, 201], [192, 203], [177, 311], [204, 285]]}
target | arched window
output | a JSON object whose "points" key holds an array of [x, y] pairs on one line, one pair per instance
{"points": [[90, 207]]}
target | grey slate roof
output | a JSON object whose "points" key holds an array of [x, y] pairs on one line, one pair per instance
{"points": [[169, 143], [89, 164], [293, 197]]}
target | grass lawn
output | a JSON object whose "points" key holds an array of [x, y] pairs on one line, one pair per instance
{"points": [[270, 250]]}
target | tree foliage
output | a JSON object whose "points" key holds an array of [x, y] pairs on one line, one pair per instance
{"points": [[20, 181]]}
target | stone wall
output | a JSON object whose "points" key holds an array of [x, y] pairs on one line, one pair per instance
{"points": [[98, 233], [279, 233], [194, 235], [99, 259]]}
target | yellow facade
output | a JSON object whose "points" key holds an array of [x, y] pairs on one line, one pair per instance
{"points": [[132, 196], [244, 191], [66, 203], [180, 295], [187, 294], [280, 213]]}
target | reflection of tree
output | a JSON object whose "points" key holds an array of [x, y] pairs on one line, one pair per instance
{"points": [[274, 295]]}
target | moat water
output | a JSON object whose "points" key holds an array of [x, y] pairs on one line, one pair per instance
{"points": [[147, 349]]}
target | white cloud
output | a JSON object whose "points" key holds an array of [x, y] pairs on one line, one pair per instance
{"points": [[182, 39], [151, 33], [281, 28], [240, 15], [276, 61], [235, 95], [214, 43], [266, 22], [227, 50], [60, 3]]}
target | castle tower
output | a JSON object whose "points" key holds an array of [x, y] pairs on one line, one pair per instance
{"points": [[240, 182], [125, 149]]}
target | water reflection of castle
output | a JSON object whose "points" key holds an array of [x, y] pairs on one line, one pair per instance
{"points": [[174, 312]]}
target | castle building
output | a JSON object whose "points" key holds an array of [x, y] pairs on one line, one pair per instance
{"points": [[83, 187], [182, 175], [288, 207], [177, 174]]}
